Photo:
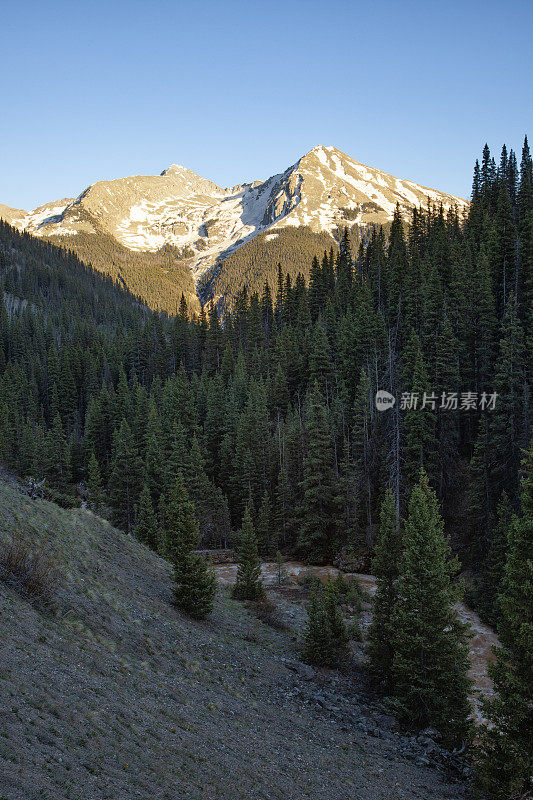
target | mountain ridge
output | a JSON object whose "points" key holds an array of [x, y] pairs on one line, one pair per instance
{"points": [[203, 223]]}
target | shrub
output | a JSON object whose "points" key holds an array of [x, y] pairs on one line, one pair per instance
{"points": [[30, 570], [61, 498], [308, 580], [267, 613]]}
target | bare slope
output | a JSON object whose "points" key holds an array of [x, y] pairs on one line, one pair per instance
{"points": [[117, 696]]}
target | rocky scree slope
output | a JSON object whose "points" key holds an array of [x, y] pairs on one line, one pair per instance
{"points": [[111, 693]]}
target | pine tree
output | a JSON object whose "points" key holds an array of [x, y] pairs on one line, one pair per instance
{"points": [[154, 461], [320, 366], [318, 511], [214, 423], [140, 412], [505, 754], [493, 567], [213, 342], [194, 579], [501, 247], [447, 368], [57, 455], [508, 421], [385, 567], [347, 497], [162, 524], [206, 497], [363, 452], [181, 534], [125, 478], [122, 406], [337, 627], [487, 176], [147, 529], [315, 289], [316, 646], [525, 189], [94, 484], [279, 393], [6, 439], [248, 585], [430, 663], [396, 267], [177, 455], [420, 422], [98, 430], [483, 329], [475, 217], [253, 453], [479, 493], [265, 535], [325, 637], [195, 586], [344, 270], [280, 568], [69, 396]]}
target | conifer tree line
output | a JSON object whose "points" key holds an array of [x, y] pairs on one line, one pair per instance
{"points": [[160, 278], [271, 408]]}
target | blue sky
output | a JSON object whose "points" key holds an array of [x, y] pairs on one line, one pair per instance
{"points": [[240, 90]]}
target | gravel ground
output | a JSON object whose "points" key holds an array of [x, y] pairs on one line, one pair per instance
{"points": [[111, 694]]}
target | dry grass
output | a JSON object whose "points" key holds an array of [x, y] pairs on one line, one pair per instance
{"points": [[30, 569]]}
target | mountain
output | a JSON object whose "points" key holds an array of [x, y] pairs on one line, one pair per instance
{"points": [[175, 231]]}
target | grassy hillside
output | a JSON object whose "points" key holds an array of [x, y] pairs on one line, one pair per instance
{"points": [[109, 693]]}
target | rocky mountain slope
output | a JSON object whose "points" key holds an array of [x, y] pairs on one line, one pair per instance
{"points": [[203, 223], [111, 693]]}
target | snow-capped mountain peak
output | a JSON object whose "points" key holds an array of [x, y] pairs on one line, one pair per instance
{"points": [[324, 190]]}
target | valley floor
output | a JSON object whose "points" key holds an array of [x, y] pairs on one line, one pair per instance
{"points": [[114, 695]]}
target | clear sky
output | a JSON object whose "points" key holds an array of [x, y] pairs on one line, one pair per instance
{"points": [[240, 90]]}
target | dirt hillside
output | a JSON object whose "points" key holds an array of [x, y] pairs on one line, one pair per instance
{"points": [[111, 694]]}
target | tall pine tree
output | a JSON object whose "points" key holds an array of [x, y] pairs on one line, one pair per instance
{"points": [[385, 567], [194, 579], [248, 585], [430, 662]]}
